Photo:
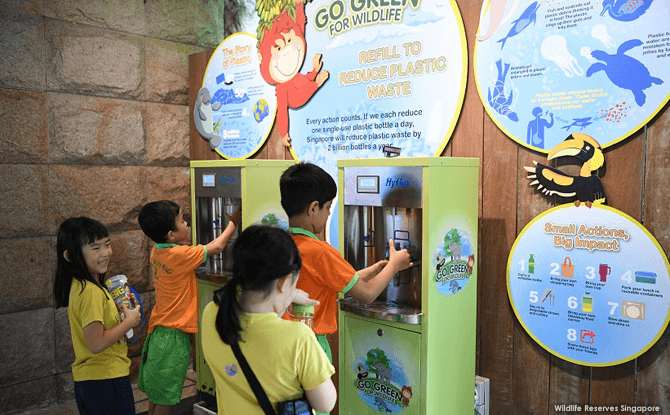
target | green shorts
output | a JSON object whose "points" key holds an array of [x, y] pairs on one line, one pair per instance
{"points": [[165, 357], [323, 341]]}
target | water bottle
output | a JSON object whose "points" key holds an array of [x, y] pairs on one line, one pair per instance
{"points": [[118, 288]]}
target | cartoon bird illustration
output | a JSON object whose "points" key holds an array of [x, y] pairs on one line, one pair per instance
{"points": [[362, 373], [528, 16], [624, 71], [625, 10], [586, 187], [439, 261], [579, 122]]}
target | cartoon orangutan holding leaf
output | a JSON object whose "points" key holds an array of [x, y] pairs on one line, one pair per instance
{"points": [[281, 53]]}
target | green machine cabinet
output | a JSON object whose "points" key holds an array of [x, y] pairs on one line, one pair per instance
{"points": [[218, 188], [412, 350], [204, 378]]}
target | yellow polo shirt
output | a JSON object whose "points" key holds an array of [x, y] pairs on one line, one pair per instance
{"points": [[88, 304], [284, 356]]}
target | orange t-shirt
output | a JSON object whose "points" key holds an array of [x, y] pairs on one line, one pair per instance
{"points": [[324, 273], [173, 268]]}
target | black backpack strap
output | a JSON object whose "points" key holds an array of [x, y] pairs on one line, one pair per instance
{"points": [[256, 387]]}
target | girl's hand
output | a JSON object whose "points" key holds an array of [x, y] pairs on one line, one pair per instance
{"points": [[132, 314], [301, 297]]}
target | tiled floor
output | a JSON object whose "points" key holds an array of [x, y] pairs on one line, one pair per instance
{"points": [[188, 397]]}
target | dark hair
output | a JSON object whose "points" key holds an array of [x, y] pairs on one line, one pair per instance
{"points": [[261, 255], [72, 234], [158, 218], [304, 183]]}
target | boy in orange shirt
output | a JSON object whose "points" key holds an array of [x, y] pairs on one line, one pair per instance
{"points": [[167, 349], [307, 193]]}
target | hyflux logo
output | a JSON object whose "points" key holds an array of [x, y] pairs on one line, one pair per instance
{"points": [[227, 179], [398, 182]]}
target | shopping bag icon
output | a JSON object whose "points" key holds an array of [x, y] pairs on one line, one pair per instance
{"points": [[567, 269]]}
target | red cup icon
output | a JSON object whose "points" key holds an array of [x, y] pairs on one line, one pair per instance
{"points": [[604, 271]]}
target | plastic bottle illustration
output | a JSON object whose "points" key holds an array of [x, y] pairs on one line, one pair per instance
{"points": [[531, 265], [587, 303]]}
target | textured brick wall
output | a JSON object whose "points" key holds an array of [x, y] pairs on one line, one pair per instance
{"points": [[93, 121]]}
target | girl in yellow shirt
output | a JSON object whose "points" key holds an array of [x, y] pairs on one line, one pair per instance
{"points": [[101, 366], [284, 355]]}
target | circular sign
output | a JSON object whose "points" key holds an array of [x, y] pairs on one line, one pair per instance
{"points": [[546, 69], [591, 286], [397, 75], [243, 104]]}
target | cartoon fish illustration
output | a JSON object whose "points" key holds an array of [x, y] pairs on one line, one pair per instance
{"points": [[579, 122], [522, 22]]}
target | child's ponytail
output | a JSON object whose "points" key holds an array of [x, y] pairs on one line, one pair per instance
{"points": [[228, 317], [261, 255]]}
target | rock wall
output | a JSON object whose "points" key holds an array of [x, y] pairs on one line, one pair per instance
{"points": [[94, 122]]}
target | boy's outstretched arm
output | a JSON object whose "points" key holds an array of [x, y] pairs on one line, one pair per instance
{"points": [[373, 280], [217, 245]]}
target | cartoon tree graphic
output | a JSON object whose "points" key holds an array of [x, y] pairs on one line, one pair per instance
{"points": [[268, 10], [270, 219], [375, 356], [451, 238]]}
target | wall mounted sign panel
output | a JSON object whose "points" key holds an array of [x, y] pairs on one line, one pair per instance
{"points": [[546, 69], [591, 286], [243, 105]]}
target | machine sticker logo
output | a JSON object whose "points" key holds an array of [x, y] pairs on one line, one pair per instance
{"points": [[454, 262], [231, 370], [227, 179], [381, 383], [398, 182]]}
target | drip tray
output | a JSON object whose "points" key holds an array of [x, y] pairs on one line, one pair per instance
{"points": [[381, 310]]}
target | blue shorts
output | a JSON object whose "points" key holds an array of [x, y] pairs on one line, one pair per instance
{"points": [[105, 397], [164, 364]]}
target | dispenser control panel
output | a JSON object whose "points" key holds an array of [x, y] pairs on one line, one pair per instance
{"points": [[367, 184], [209, 180]]}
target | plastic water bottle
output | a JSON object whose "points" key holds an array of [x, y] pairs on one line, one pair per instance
{"points": [[303, 314], [118, 288]]}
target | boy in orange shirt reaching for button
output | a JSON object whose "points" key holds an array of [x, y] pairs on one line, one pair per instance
{"points": [[167, 348], [307, 193]]}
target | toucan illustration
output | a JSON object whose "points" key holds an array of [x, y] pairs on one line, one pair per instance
{"points": [[362, 373], [586, 187]]}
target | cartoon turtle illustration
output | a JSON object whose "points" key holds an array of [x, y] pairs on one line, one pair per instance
{"points": [[579, 122], [624, 71], [498, 101]]}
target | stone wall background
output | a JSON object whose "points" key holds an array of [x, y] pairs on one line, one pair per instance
{"points": [[93, 121]]}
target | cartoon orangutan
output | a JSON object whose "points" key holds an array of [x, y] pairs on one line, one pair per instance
{"points": [[281, 53]]}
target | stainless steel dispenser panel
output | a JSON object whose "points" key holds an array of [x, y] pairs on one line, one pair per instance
{"points": [[383, 186], [367, 231]]}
